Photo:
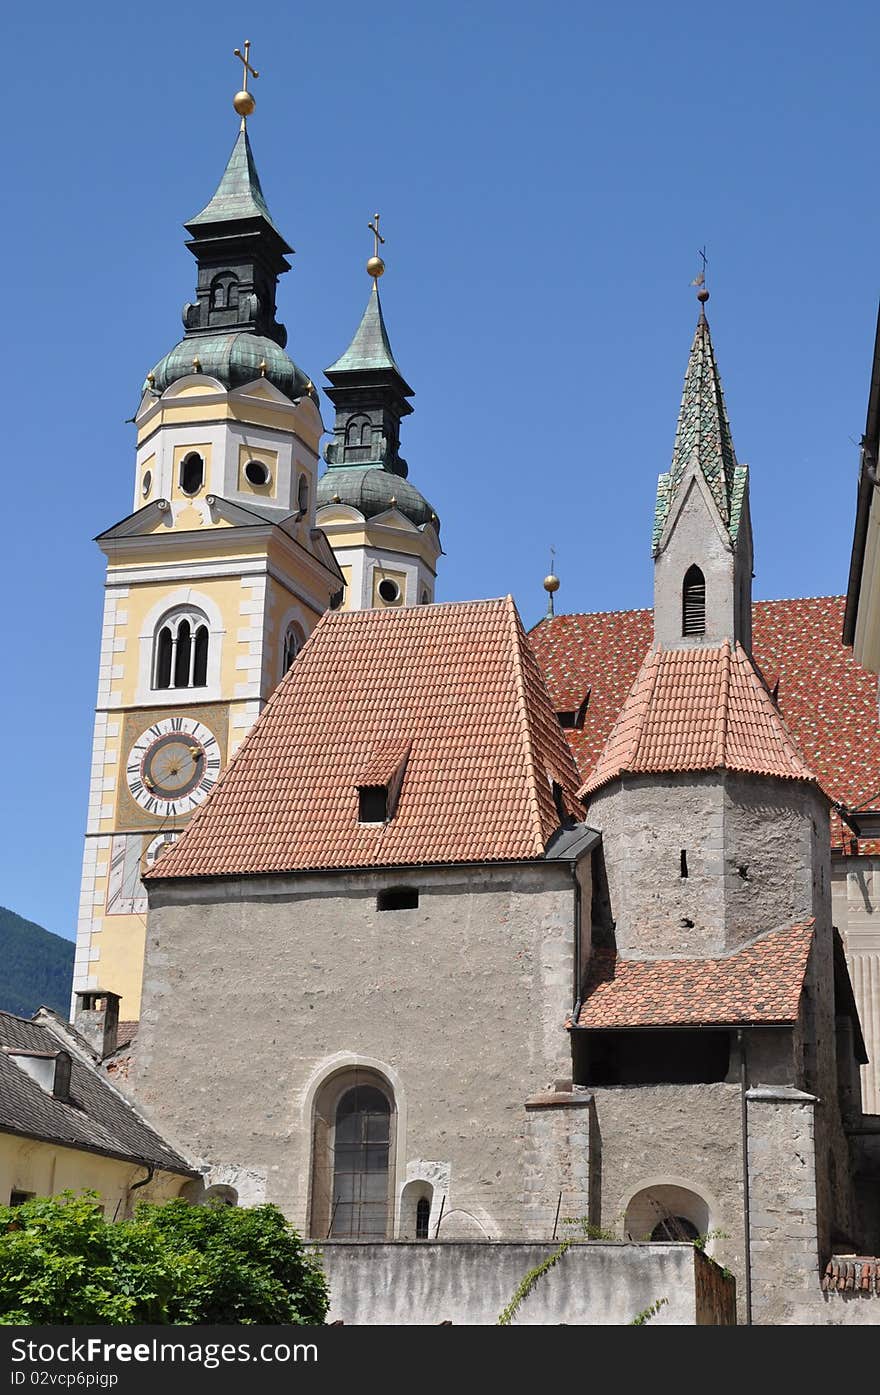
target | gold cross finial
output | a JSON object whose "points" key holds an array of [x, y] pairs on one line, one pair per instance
{"points": [[243, 101], [700, 279], [375, 266]]}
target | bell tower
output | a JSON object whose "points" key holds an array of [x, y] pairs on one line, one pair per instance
{"points": [[216, 578], [385, 534]]}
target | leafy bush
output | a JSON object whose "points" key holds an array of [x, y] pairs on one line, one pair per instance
{"points": [[61, 1261]]}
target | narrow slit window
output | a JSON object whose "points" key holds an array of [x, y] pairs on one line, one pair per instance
{"points": [[398, 898], [693, 603], [423, 1215], [684, 863]]}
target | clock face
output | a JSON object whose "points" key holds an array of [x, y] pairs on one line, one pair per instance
{"points": [[173, 766]]}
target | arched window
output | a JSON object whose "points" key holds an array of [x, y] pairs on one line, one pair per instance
{"points": [[192, 473], [224, 292], [360, 1163], [358, 438], [693, 602], [667, 1211], [353, 1157], [293, 643], [302, 493], [180, 650]]}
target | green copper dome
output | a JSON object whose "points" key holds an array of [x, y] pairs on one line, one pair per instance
{"points": [[234, 359], [370, 490]]}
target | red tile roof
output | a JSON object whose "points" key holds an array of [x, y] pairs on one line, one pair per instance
{"points": [[828, 701], [698, 709], [456, 684], [761, 983]]}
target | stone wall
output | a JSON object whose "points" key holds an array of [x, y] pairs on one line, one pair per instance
{"points": [[256, 991], [698, 536], [593, 1284], [674, 1136], [755, 860]]}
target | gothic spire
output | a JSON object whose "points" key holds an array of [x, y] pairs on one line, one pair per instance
{"points": [[703, 438]]}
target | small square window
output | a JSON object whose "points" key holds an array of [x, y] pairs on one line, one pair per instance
{"points": [[398, 898], [19, 1198], [372, 803]]}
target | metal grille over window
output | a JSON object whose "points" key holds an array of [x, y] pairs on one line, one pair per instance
{"points": [[360, 1164], [694, 603]]}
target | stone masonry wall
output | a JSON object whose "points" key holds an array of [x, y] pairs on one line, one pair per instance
{"points": [[257, 990], [753, 860]]}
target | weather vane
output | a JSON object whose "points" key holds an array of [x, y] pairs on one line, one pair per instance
{"points": [[243, 101], [375, 266], [700, 279]]}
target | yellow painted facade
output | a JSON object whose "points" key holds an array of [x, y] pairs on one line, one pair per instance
{"points": [[30, 1167], [240, 565]]}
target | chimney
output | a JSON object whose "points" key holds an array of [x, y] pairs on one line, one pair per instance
{"points": [[97, 1019]]}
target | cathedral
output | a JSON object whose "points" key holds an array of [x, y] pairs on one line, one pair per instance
{"points": [[570, 923]]}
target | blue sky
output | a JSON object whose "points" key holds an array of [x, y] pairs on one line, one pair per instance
{"points": [[545, 176]]}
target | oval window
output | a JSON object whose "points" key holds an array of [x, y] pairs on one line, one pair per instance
{"points": [[192, 473], [256, 473], [147, 483], [389, 591]]}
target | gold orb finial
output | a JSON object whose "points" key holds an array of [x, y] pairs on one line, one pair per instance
{"points": [[244, 101], [264, 368], [702, 295], [151, 379], [197, 364], [375, 266], [551, 583]]}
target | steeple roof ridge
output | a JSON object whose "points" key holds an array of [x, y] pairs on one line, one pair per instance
{"points": [[703, 438], [370, 349], [239, 195]]}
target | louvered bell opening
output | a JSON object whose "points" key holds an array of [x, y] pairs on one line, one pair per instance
{"points": [[694, 603]]}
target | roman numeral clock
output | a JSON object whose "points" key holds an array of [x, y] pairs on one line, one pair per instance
{"points": [[173, 766]]}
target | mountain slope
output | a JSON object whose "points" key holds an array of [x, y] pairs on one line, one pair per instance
{"points": [[36, 967]]}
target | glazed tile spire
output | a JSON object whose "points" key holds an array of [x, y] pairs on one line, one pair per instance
{"points": [[703, 438]]}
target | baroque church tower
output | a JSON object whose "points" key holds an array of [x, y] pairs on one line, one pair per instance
{"points": [[385, 534], [214, 581]]}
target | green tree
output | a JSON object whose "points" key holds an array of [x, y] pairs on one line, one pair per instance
{"points": [[62, 1261]]}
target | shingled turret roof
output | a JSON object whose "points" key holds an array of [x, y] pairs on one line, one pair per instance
{"points": [[698, 709], [239, 195], [457, 688], [703, 438], [370, 348]]}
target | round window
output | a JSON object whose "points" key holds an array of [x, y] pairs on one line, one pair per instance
{"points": [[256, 472], [389, 591], [146, 483]]}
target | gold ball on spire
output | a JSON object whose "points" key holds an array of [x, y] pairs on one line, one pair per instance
{"points": [[375, 267], [702, 295], [551, 583], [244, 103]]}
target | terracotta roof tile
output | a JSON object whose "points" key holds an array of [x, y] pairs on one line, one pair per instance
{"points": [[760, 983], [456, 684], [852, 1274], [698, 709], [828, 701]]}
